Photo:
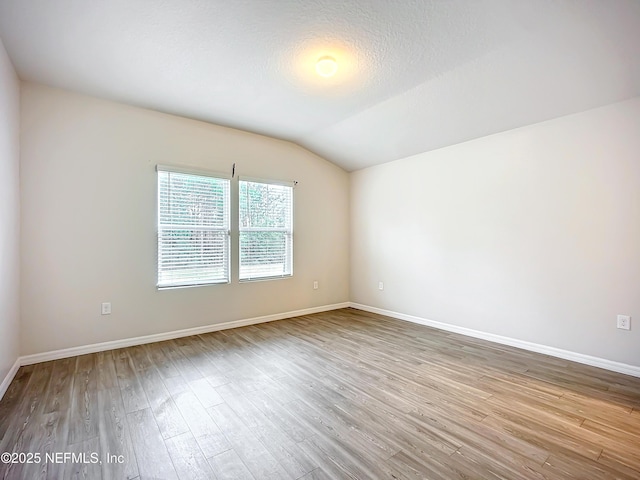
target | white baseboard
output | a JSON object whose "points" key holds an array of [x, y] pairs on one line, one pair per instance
{"points": [[513, 342], [9, 377], [158, 337]]}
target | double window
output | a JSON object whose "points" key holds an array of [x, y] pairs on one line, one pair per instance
{"points": [[194, 228]]}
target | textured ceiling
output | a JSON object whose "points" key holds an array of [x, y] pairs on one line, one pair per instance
{"points": [[413, 75]]}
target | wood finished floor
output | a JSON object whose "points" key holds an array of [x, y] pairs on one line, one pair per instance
{"points": [[343, 394]]}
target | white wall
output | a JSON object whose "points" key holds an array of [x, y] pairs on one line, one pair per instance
{"points": [[9, 214], [89, 211], [532, 234]]}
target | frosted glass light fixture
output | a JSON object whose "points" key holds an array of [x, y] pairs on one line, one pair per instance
{"points": [[326, 66]]}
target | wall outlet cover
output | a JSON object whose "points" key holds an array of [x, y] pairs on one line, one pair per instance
{"points": [[624, 322]]}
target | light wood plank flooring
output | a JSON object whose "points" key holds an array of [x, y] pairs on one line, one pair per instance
{"points": [[343, 394]]}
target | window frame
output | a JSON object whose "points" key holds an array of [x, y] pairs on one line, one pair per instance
{"points": [[289, 232], [226, 229]]}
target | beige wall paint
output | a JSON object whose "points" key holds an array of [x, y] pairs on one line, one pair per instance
{"points": [[532, 234], [88, 189], [9, 214]]}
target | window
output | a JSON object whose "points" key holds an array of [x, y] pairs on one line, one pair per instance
{"points": [[193, 228], [266, 233]]}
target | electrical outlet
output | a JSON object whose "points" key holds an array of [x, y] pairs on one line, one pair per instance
{"points": [[315, 284], [624, 322], [106, 308], [380, 286]]}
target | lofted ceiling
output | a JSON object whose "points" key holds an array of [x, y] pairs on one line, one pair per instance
{"points": [[414, 75]]}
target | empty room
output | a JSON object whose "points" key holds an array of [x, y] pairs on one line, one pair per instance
{"points": [[329, 239]]}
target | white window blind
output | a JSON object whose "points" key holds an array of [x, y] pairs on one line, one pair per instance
{"points": [[193, 229], [266, 230]]}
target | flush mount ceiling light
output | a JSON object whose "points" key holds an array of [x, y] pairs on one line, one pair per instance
{"points": [[326, 66]]}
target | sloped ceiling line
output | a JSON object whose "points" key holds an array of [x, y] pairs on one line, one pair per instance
{"points": [[413, 76]]}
